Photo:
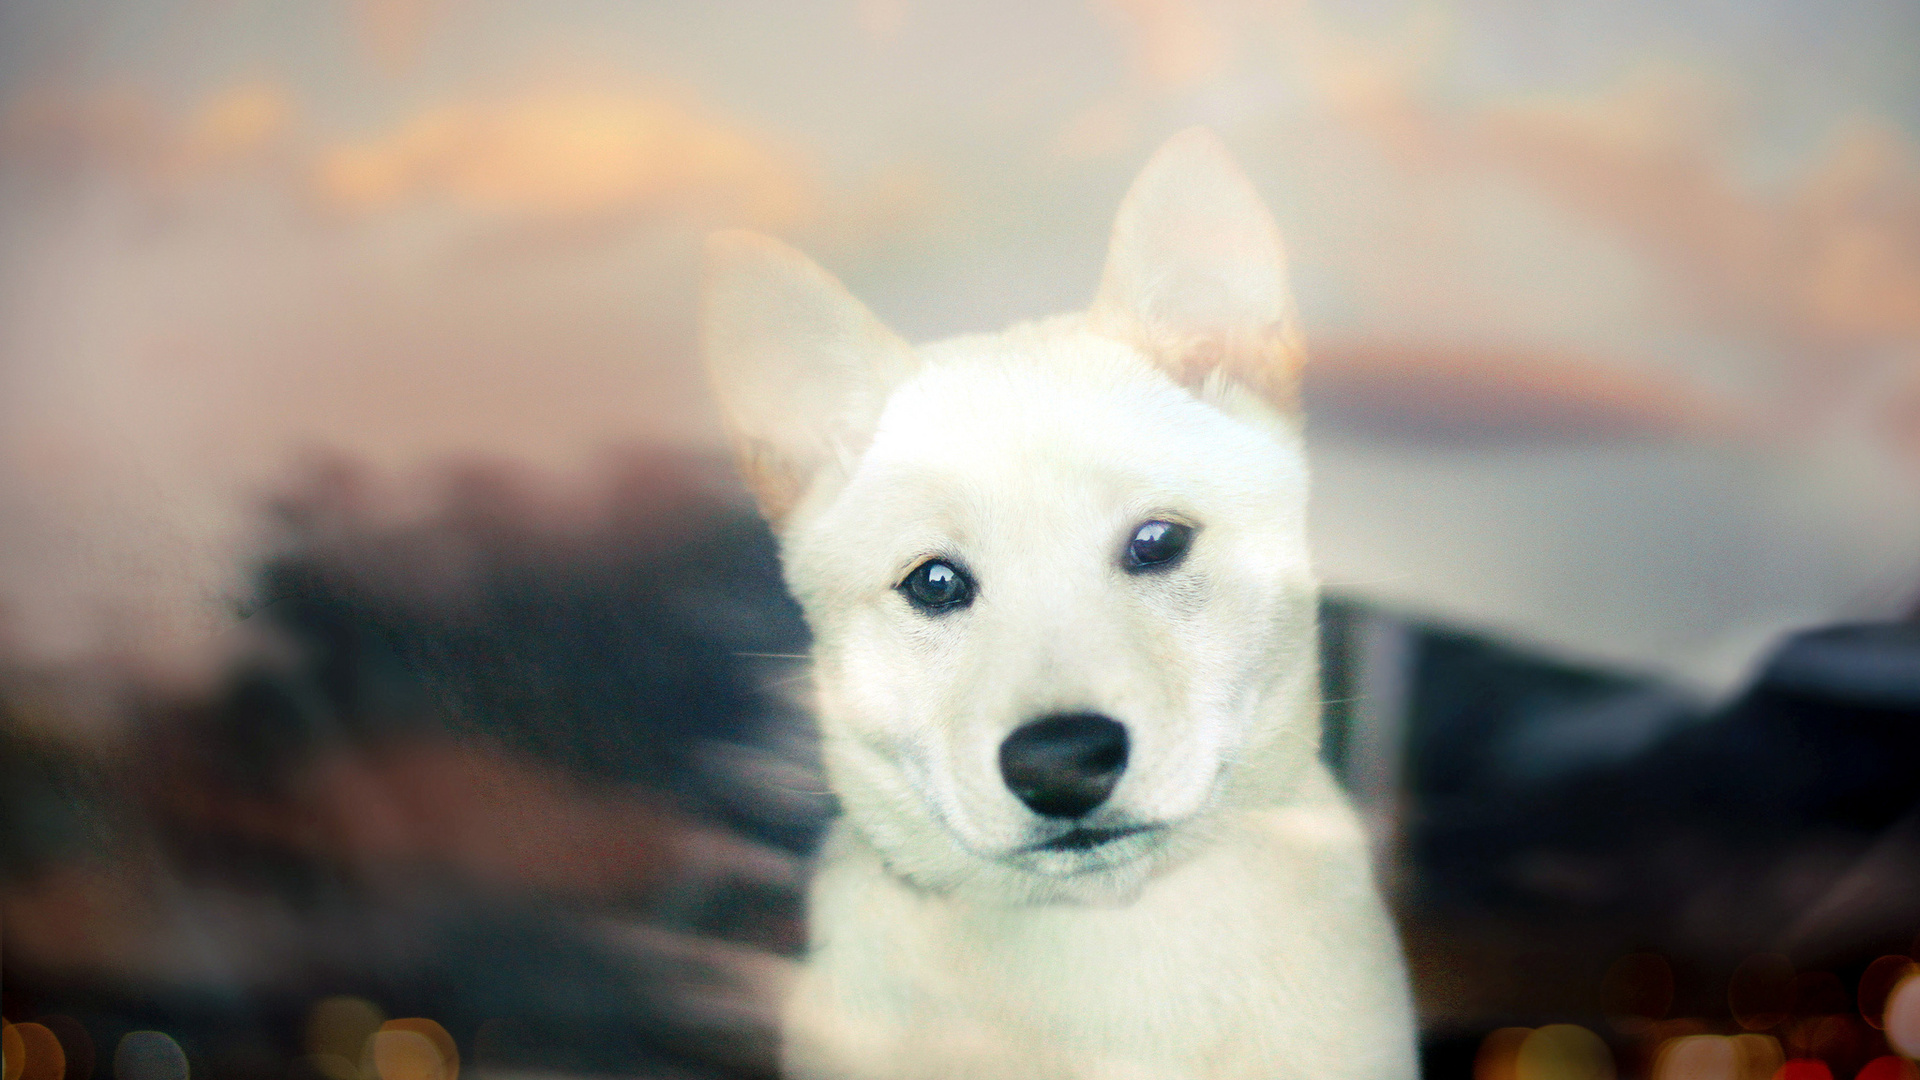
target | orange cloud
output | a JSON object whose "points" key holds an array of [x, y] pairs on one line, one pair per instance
{"points": [[1826, 266], [1831, 261], [567, 154]]}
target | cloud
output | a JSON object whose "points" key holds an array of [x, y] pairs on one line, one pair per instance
{"points": [[567, 154], [55, 136], [159, 369], [1831, 261], [1423, 391], [393, 32]]}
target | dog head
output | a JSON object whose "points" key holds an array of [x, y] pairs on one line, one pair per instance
{"points": [[1057, 577]]}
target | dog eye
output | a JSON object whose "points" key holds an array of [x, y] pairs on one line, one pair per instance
{"points": [[937, 586], [1157, 543]]}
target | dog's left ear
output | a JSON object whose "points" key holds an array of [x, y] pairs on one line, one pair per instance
{"points": [[801, 370], [1196, 277]]}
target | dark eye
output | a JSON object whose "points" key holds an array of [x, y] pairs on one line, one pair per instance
{"points": [[936, 586], [1157, 543]]}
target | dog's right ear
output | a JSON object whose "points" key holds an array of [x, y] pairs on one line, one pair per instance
{"points": [[1196, 275], [801, 369]]}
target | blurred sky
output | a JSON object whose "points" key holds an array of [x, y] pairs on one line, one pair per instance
{"points": [[1614, 309]]}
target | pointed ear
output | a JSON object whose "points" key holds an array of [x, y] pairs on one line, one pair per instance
{"points": [[800, 368], [1196, 277]]}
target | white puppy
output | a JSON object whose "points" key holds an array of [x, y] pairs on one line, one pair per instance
{"points": [[1065, 659]]}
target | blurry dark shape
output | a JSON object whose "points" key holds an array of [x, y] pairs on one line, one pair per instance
{"points": [[1760, 994], [1867, 666], [1877, 984], [500, 1042], [1415, 392], [1639, 985], [149, 1055], [1820, 993], [74, 1042], [472, 764], [1841, 1041], [339, 1027], [1556, 817]]}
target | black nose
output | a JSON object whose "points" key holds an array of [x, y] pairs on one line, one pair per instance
{"points": [[1063, 766]]}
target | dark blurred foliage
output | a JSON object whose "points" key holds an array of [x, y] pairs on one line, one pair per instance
{"points": [[500, 767], [1561, 818], [539, 772]]}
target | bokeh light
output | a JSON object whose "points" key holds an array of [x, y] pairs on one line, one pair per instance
{"points": [[1889, 1067], [337, 1032], [41, 1055], [1498, 1053], [149, 1055], [1877, 984], [76, 1042], [1718, 1057], [1902, 1016], [447, 1051], [1563, 1052], [12, 1052], [1829, 1038], [399, 1054]]}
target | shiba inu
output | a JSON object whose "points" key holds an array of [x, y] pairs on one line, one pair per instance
{"points": [[1065, 666]]}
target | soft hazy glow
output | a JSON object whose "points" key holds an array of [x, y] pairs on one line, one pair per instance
{"points": [[1498, 1053], [149, 1055], [1718, 1057], [399, 1054], [1889, 1067], [1901, 1017], [1879, 981], [41, 1055], [445, 1063], [13, 1052], [1563, 1052], [338, 1028]]}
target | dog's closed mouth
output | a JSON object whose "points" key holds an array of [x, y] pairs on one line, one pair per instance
{"points": [[1084, 839]]}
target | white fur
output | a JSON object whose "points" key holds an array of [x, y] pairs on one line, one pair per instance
{"points": [[1241, 936]]}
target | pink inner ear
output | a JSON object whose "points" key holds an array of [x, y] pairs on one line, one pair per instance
{"points": [[799, 367], [1195, 273]]}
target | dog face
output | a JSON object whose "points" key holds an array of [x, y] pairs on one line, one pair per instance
{"points": [[1057, 577]]}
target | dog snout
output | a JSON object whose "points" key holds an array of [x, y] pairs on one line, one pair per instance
{"points": [[1063, 766]]}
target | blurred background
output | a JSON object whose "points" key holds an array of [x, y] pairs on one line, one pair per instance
{"points": [[395, 681]]}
